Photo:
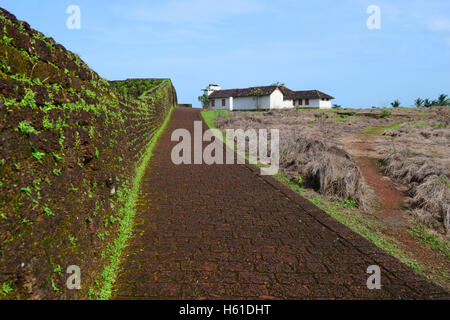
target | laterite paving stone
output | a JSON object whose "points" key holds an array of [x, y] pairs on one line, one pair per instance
{"points": [[223, 231]]}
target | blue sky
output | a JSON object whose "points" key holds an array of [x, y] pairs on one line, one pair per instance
{"points": [[321, 45]]}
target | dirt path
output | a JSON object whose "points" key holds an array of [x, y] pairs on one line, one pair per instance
{"points": [[389, 206], [222, 231], [389, 199]]}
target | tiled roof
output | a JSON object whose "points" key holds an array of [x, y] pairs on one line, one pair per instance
{"points": [[311, 94], [247, 92], [267, 90]]}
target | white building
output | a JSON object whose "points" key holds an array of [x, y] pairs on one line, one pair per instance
{"points": [[265, 98]]}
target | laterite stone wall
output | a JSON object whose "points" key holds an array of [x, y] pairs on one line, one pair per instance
{"points": [[69, 145]]}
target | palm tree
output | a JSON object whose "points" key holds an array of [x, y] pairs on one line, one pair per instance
{"points": [[427, 103], [442, 100], [395, 104], [418, 103]]}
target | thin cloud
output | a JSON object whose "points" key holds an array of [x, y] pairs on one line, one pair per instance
{"points": [[179, 21], [193, 12], [439, 24]]}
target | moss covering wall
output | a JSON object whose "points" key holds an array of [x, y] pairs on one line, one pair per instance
{"points": [[69, 146]]}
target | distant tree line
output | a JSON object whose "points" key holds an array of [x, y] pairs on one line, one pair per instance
{"points": [[427, 103], [441, 101]]}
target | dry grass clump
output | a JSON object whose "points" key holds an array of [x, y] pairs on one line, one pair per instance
{"points": [[431, 203], [418, 157], [327, 169], [415, 133], [416, 153], [428, 184], [305, 156], [412, 169]]}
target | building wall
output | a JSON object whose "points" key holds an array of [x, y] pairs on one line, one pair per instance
{"points": [[325, 104], [274, 101], [211, 89], [277, 101], [218, 105], [251, 103], [313, 104]]}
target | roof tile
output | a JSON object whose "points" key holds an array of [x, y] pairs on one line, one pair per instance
{"points": [[268, 90]]}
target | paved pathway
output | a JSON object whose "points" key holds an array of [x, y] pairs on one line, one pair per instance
{"points": [[223, 231]]}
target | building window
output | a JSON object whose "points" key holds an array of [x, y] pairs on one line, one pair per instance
{"points": [[223, 103], [306, 102], [213, 103], [300, 102]]}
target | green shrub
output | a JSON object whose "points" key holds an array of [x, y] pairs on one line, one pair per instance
{"points": [[395, 104], [385, 113]]}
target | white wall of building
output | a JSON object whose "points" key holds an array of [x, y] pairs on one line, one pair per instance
{"points": [[210, 89], [274, 101], [325, 104], [218, 104], [251, 103], [313, 104], [277, 101]]}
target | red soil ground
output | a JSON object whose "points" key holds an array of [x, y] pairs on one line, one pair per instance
{"points": [[389, 208], [390, 200]]}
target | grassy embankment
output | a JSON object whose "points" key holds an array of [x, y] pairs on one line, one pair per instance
{"points": [[128, 212]]}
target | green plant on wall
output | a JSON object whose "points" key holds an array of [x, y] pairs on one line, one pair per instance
{"points": [[7, 287], [115, 131], [38, 155], [26, 128], [28, 100]]}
